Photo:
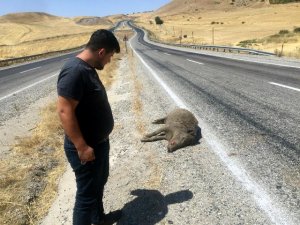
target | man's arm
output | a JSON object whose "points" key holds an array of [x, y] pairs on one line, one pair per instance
{"points": [[66, 111]]}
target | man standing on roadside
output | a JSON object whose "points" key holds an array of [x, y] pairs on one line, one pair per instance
{"points": [[87, 120]]}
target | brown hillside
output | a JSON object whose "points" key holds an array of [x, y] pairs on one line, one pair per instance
{"points": [[90, 21], [27, 17], [25, 34], [252, 24], [192, 6]]}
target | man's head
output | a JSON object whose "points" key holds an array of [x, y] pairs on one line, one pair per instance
{"points": [[102, 45]]}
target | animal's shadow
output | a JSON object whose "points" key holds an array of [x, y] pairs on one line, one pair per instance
{"points": [[198, 135], [150, 206]]}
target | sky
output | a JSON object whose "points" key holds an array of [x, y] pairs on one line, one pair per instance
{"points": [[71, 8]]}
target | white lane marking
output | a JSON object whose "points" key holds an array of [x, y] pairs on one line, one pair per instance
{"points": [[30, 69], [65, 59], [166, 53], [285, 86], [167, 89], [260, 196], [194, 61], [29, 86]]}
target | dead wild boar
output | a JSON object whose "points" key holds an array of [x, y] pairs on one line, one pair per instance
{"points": [[181, 129]]}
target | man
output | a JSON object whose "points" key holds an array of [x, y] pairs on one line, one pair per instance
{"points": [[87, 120]]}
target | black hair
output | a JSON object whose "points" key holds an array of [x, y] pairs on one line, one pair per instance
{"points": [[103, 39]]}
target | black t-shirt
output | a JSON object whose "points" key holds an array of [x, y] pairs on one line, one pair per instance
{"points": [[78, 80]]}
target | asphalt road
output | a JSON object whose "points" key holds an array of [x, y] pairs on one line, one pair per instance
{"points": [[17, 77], [248, 112]]}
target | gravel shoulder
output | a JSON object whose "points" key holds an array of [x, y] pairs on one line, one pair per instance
{"points": [[151, 186], [16, 123]]}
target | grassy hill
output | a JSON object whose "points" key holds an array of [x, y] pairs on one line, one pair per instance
{"points": [[25, 34], [233, 23]]}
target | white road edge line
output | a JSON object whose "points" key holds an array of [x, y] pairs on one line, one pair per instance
{"points": [[30, 69], [259, 195], [194, 61], [166, 53], [285, 86], [29, 86]]}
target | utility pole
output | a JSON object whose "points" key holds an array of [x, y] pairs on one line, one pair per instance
{"points": [[281, 53], [180, 36], [213, 36], [193, 37], [125, 39]]}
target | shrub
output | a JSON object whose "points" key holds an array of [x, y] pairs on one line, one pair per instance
{"points": [[297, 30], [247, 43], [282, 32], [158, 20]]}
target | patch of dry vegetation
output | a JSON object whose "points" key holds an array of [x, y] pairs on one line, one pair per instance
{"points": [[29, 175], [284, 38]]}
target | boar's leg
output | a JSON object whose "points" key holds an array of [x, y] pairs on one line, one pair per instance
{"points": [[160, 121], [159, 134]]}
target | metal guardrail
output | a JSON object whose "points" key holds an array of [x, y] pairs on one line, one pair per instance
{"points": [[226, 49], [8, 62]]}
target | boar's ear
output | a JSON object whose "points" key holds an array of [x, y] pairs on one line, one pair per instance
{"points": [[191, 131]]}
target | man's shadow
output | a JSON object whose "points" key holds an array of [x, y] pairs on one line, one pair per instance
{"points": [[150, 206]]}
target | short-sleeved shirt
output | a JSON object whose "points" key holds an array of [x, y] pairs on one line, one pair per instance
{"points": [[79, 81]]}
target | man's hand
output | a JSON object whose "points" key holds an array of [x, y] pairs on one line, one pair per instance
{"points": [[66, 110], [86, 154]]}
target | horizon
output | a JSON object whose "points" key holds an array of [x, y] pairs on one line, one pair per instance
{"points": [[69, 8]]}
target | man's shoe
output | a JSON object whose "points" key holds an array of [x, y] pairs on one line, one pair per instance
{"points": [[112, 217]]}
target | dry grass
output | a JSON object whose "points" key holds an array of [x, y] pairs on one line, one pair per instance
{"points": [[29, 176], [230, 27], [32, 33], [137, 102]]}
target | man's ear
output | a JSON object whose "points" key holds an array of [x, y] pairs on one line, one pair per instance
{"points": [[102, 52]]}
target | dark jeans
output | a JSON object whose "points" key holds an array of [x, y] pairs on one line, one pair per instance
{"points": [[90, 180]]}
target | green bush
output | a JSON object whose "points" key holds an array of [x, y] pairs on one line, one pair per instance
{"points": [[282, 32], [297, 30], [158, 20], [247, 43]]}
